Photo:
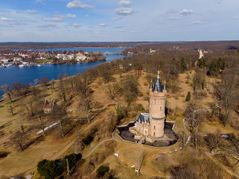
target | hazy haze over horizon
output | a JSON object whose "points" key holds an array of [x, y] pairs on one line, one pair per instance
{"points": [[118, 20]]}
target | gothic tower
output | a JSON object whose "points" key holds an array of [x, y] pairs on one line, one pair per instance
{"points": [[157, 108]]}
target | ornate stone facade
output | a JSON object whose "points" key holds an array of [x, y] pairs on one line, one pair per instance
{"points": [[150, 126]]}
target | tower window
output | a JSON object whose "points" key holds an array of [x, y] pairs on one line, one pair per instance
{"points": [[154, 133], [154, 127]]}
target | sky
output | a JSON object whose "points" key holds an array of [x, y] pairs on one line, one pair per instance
{"points": [[118, 20]]}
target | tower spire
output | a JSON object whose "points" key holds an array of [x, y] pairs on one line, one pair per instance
{"points": [[157, 85], [158, 77]]}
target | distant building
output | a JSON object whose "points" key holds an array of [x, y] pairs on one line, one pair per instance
{"points": [[80, 57], [152, 51], [121, 67], [201, 53], [48, 106], [130, 53], [4, 61], [150, 126]]}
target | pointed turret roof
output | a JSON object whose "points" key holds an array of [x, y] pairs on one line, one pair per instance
{"points": [[157, 85]]}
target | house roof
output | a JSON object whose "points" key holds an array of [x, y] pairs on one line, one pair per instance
{"points": [[143, 117]]}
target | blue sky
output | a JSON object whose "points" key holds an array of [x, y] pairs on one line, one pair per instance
{"points": [[118, 20]]}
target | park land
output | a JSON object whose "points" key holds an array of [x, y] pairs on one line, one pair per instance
{"points": [[202, 101]]}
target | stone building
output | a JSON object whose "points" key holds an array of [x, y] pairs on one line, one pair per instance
{"points": [[150, 126]]}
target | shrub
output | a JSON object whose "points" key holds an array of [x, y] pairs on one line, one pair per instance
{"points": [[202, 63], [87, 140], [212, 141], [215, 67], [4, 154], [121, 112], [50, 169], [72, 160], [102, 170]]}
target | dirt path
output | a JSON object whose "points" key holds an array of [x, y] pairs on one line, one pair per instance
{"points": [[230, 172], [221, 165], [63, 151], [97, 146]]}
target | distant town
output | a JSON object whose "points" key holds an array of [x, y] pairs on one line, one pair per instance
{"points": [[26, 58]]}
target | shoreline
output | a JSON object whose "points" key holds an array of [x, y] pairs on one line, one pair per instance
{"points": [[53, 71], [23, 58]]}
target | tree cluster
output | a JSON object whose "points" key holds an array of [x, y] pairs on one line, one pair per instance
{"points": [[52, 169]]}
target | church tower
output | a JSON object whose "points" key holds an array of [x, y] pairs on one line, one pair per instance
{"points": [[157, 108]]}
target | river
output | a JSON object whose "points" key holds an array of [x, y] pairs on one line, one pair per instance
{"points": [[28, 75]]}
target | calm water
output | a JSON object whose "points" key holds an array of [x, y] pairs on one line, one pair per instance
{"points": [[28, 75]]}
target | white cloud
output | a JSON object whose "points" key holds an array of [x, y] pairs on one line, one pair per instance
{"points": [[186, 12], [124, 11], [5, 19], [125, 2], [47, 26], [77, 4], [76, 25], [102, 25], [56, 18], [197, 22], [71, 15], [31, 11], [119, 27], [173, 18]]}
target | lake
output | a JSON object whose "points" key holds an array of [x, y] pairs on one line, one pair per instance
{"points": [[28, 75]]}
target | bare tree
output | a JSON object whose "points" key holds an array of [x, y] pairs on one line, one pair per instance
{"points": [[199, 80], [59, 115], [83, 89], [20, 89], [212, 141], [44, 81], [130, 89], [18, 139], [82, 86], [87, 105], [32, 103], [193, 119], [106, 75], [62, 87], [8, 92], [227, 94], [113, 90]]}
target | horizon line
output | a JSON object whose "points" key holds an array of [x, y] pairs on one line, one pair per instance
{"points": [[143, 41]]}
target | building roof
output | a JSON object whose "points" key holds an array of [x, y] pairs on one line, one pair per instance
{"points": [[143, 117], [157, 86]]}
